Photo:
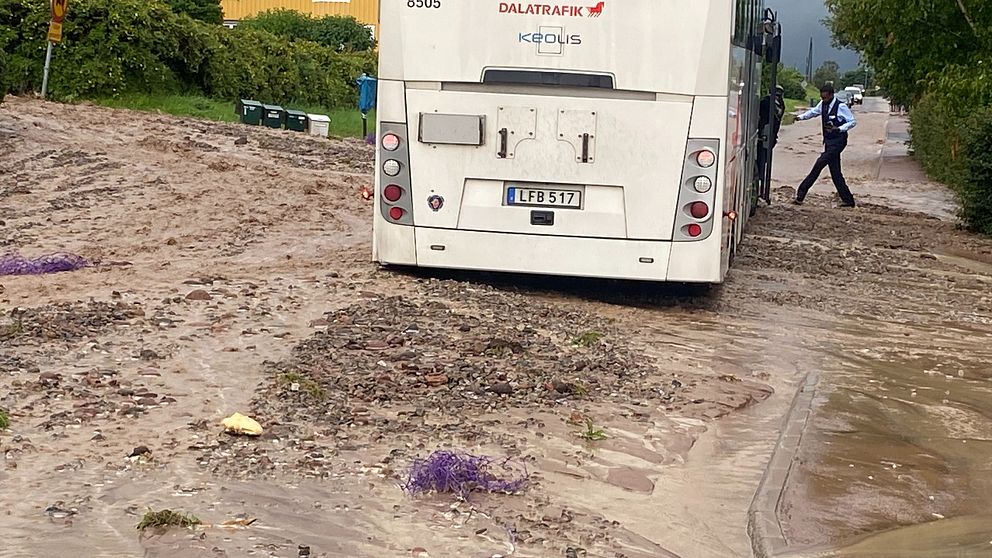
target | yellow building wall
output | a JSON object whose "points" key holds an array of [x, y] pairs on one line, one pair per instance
{"points": [[366, 11]]}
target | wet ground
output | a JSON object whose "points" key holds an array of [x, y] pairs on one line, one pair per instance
{"points": [[232, 275]]}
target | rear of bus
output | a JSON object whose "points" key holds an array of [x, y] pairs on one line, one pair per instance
{"points": [[579, 138]]}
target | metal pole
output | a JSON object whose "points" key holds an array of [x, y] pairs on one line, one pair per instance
{"points": [[48, 65]]}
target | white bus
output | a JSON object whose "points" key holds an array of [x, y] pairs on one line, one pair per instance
{"points": [[611, 139]]}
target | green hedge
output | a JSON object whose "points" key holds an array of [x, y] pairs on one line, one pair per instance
{"points": [[343, 33], [112, 47], [975, 187], [952, 137]]}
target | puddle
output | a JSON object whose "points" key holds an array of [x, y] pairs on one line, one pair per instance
{"points": [[960, 537], [900, 435]]}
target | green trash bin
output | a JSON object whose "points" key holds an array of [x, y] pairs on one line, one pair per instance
{"points": [[296, 120], [250, 112], [273, 116]]}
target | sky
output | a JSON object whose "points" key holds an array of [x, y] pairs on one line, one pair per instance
{"points": [[802, 19]]}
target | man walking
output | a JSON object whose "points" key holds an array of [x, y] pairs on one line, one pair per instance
{"points": [[837, 120]]}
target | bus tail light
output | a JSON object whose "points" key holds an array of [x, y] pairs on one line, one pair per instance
{"points": [[705, 158], [697, 194], [392, 193], [699, 210], [393, 161], [390, 142]]}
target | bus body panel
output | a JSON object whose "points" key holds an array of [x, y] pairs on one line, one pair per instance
{"points": [[690, 259], [677, 73], [392, 244], [543, 255], [629, 190], [647, 45]]}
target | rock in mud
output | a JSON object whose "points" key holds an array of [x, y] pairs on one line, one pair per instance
{"points": [[140, 451], [502, 389], [198, 294]]}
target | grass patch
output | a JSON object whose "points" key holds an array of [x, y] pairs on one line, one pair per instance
{"points": [[345, 122], [11, 330], [167, 518], [16, 327], [592, 433], [793, 105], [587, 339], [4, 419], [306, 384]]}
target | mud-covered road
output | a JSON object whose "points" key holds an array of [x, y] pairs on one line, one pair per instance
{"points": [[231, 273]]}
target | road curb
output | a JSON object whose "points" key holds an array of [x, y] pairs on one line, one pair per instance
{"points": [[881, 152], [763, 524]]}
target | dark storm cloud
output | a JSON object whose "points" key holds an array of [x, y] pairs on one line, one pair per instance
{"points": [[801, 20]]}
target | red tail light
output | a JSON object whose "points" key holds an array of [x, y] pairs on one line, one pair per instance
{"points": [[396, 213], [392, 193], [390, 142], [699, 210], [705, 158], [694, 230]]}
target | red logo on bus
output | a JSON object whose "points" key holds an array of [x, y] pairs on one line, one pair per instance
{"points": [[551, 10]]}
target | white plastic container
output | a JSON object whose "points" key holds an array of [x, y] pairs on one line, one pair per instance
{"points": [[320, 125]]}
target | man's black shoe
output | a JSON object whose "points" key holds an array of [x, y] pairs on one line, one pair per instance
{"points": [[797, 201], [848, 204]]}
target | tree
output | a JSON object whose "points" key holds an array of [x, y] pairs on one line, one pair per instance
{"points": [[790, 79], [209, 11], [828, 72], [852, 77], [907, 41]]}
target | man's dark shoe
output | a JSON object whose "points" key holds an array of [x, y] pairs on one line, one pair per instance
{"points": [[797, 201], [849, 204]]}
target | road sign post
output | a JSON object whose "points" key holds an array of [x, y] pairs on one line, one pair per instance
{"points": [[59, 8]]}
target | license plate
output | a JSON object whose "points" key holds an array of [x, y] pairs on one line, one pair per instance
{"points": [[544, 197]]}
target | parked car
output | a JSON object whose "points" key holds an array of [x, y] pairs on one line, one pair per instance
{"points": [[857, 96], [845, 97]]}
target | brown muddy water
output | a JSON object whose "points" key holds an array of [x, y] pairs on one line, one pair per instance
{"points": [[900, 434], [198, 234]]}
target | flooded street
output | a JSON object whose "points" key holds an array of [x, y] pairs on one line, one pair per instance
{"points": [[833, 399]]}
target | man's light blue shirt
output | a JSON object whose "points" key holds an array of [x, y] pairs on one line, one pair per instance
{"points": [[842, 111]]}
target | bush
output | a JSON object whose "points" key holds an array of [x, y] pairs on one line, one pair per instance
{"points": [[952, 138], [112, 47], [109, 46], [256, 64], [337, 32], [3, 74], [208, 11], [975, 186], [789, 78], [936, 139]]}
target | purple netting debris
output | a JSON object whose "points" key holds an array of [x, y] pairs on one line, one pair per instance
{"points": [[370, 139], [462, 474], [16, 264]]}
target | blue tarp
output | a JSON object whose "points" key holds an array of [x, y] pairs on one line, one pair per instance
{"points": [[367, 89]]}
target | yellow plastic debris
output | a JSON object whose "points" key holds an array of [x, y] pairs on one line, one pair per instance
{"points": [[240, 424], [239, 522]]}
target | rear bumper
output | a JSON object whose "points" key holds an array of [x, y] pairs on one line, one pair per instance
{"points": [[554, 255]]}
